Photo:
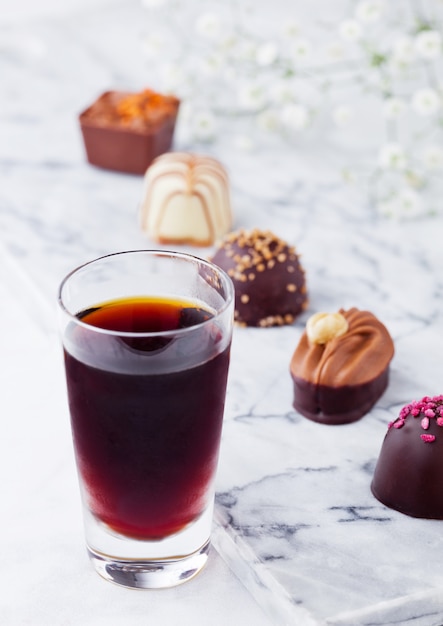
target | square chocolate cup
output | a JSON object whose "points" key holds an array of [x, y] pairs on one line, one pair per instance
{"points": [[124, 149]]}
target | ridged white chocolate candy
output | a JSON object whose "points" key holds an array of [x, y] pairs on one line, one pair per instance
{"points": [[186, 200]]}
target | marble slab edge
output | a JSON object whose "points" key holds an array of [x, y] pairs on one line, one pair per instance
{"points": [[424, 608]]}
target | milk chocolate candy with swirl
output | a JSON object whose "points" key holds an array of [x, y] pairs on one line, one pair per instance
{"points": [[340, 372]]}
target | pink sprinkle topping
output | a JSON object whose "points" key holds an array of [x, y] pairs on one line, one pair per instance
{"points": [[426, 408], [404, 412], [427, 438]]}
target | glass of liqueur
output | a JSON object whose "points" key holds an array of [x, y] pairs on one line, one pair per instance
{"points": [[146, 337]]}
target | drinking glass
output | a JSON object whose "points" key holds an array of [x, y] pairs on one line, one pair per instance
{"points": [[146, 339]]}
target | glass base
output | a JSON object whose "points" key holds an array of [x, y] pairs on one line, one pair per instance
{"points": [[150, 574]]}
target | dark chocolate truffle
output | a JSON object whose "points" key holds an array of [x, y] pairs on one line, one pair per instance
{"points": [[270, 288], [127, 131], [340, 367], [409, 471]]}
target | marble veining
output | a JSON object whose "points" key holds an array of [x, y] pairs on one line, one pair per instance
{"points": [[295, 518]]}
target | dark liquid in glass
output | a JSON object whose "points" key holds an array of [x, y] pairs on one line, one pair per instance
{"points": [[146, 436]]}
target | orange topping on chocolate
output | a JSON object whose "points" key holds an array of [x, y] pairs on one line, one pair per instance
{"points": [[145, 105]]}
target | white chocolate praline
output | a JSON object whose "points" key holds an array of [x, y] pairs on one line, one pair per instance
{"points": [[186, 200], [322, 327]]}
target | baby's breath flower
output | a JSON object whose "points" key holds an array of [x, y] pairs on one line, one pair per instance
{"points": [[152, 45], [295, 116], [208, 25], [300, 49], [392, 157], [403, 50], [428, 44], [369, 10], [433, 158], [268, 120], [404, 204], [282, 91], [291, 29], [393, 108], [211, 64], [348, 176], [350, 30], [204, 126], [341, 115], [335, 51], [153, 4], [245, 50], [425, 102], [244, 143], [173, 77], [251, 96], [266, 54]]}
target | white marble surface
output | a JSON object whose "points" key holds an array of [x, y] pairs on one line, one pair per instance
{"points": [[299, 537]]}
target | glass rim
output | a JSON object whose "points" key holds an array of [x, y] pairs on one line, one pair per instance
{"points": [[152, 251]]}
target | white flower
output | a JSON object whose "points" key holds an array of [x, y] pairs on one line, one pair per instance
{"points": [[251, 96], [266, 54], [403, 50], [392, 156], [425, 102], [428, 44], [245, 50], [291, 29], [433, 158], [350, 30], [341, 115], [348, 176], [228, 42], [208, 25], [282, 92], [211, 64], [300, 49], [369, 11], [152, 45], [393, 108], [295, 116], [204, 126], [173, 77], [268, 120], [405, 204], [335, 51], [152, 4], [244, 143]]}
